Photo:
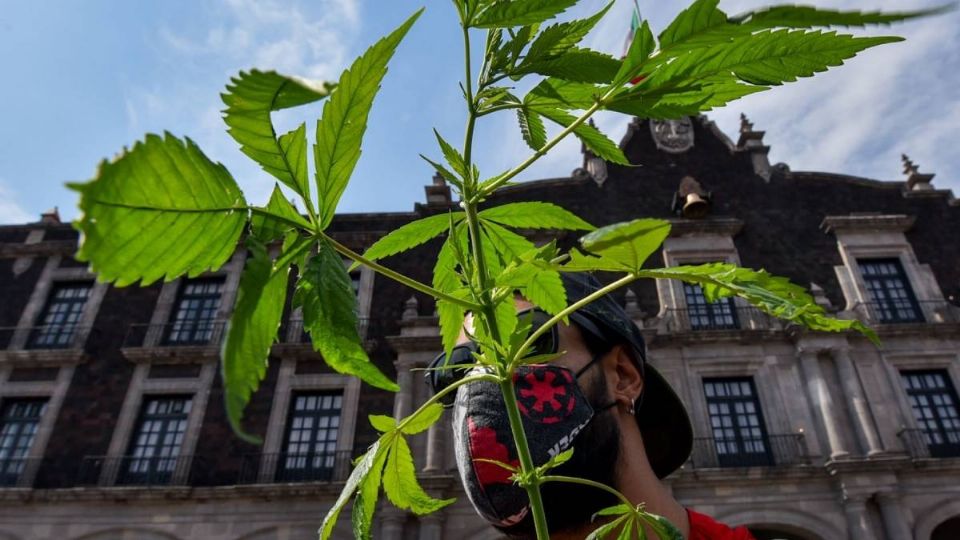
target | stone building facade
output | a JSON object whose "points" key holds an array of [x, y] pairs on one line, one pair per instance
{"points": [[112, 427]]}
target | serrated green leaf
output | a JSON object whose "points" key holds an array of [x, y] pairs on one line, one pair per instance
{"points": [[591, 137], [340, 129], [251, 332], [626, 532], [580, 262], [559, 38], [771, 294], [508, 13], [577, 65], [453, 157], [424, 420], [268, 228], [411, 235], [446, 279], [546, 290], [535, 215], [444, 172], [686, 100], [629, 243], [640, 49], [400, 482], [250, 98], [368, 492], [531, 128], [617, 510], [553, 93], [382, 422], [809, 17], [507, 245], [360, 471], [694, 20], [160, 210], [604, 530], [664, 529], [329, 315]]}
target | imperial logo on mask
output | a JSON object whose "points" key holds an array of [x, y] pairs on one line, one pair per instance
{"points": [[554, 410]]}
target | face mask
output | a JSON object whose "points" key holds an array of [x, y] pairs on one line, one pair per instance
{"points": [[554, 410]]}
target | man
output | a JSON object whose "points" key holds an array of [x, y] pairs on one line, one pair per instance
{"points": [[627, 427]]}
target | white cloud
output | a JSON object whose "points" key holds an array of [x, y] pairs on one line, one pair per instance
{"points": [[10, 210]]}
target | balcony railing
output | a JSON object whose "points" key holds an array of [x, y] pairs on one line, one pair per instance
{"points": [[771, 451], [905, 311], [715, 318], [19, 472], [294, 332], [925, 444], [174, 334], [283, 467], [139, 471], [66, 336]]}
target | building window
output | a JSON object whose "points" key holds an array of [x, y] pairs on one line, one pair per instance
{"points": [[703, 315], [736, 422], [891, 299], [58, 323], [310, 451], [155, 449], [194, 319], [934, 403], [18, 426]]}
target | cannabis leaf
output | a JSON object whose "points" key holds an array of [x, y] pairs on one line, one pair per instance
{"points": [[159, 210]]}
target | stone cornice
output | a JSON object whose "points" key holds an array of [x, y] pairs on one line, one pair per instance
{"points": [[715, 226], [42, 357], [867, 223], [187, 354], [40, 249]]}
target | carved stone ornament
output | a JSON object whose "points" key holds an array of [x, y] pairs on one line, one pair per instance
{"points": [[674, 136]]}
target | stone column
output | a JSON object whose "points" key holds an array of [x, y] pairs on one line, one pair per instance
{"points": [[856, 401], [822, 401], [403, 400], [391, 525], [858, 528], [436, 437], [892, 513], [431, 527]]}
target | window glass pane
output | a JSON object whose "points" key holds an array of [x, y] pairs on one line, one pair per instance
{"points": [[312, 431], [738, 427], [891, 298], [933, 401], [194, 319], [157, 440], [57, 324]]}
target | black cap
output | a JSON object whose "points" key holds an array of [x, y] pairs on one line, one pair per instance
{"points": [[663, 420]]}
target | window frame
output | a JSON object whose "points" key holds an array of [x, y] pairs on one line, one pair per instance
{"points": [[206, 328], [153, 474], [944, 449], [308, 472], [740, 458], [889, 304], [36, 334], [22, 461]]}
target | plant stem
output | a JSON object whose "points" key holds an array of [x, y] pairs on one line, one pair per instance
{"points": [[409, 282], [567, 311], [490, 188], [526, 460]]}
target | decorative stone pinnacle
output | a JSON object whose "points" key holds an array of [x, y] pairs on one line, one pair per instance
{"points": [[411, 309], [916, 180], [908, 166], [438, 180], [745, 124], [51, 216]]}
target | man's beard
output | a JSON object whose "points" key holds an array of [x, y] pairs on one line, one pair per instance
{"points": [[595, 453]]}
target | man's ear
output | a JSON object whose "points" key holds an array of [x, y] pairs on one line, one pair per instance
{"points": [[627, 383]]}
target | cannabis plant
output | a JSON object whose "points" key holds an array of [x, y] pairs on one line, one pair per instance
{"points": [[162, 209]]}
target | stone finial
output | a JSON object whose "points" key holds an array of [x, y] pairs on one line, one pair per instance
{"points": [[820, 297], [438, 192], [411, 309], [916, 180], [51, 216], [746, 125], [631, 306]]}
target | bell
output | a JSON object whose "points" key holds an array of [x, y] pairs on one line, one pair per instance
{"points": [[695, 207]]}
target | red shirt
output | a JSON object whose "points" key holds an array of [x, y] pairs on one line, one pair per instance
{"points": [[704, 527]]}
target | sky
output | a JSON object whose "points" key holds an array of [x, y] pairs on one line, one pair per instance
{"points": [[82, 80]]}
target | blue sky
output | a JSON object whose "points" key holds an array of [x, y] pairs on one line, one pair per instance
{"points": [[84, 79]]}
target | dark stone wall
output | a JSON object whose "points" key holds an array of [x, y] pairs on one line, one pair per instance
{"points": [[781, 234]]}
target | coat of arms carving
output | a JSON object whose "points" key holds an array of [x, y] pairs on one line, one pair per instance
{"points": [[674, 136]]}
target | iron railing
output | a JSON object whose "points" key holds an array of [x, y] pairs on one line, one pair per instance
{"points": [[285, 467], [769, 451], [925, 444], [19, 472], [54, 336], [733, 318], [177, 333], [294, 332], [905, 311], [139, 470]]}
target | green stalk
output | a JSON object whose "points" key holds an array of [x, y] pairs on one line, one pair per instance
{"points": [[409, 282], [488, 312]]}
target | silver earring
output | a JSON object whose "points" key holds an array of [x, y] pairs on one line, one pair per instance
{"points": [[632, 403]]}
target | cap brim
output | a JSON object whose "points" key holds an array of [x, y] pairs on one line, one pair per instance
{"points": [[664, 424]]}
